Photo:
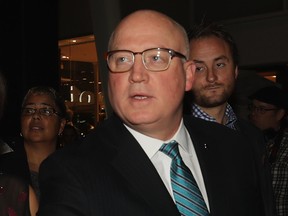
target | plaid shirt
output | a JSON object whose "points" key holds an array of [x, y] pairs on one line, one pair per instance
{"points": [[229, 114], [279, 170]]}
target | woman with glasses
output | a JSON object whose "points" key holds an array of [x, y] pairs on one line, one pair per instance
{"points": [[43, 117], [269, 113], [42, 122]]}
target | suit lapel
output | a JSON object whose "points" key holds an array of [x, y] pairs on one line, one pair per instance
{"points": [[134, 165], [214, 145]]}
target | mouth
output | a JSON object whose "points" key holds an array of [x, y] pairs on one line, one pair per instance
{"points": [[139, 97], [36, 128], [212, 87]]}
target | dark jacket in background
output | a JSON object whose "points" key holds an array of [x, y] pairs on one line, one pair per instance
{"points": [[15, 163]]}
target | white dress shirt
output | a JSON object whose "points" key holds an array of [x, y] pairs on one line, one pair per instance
{"points": [[162, 162]]}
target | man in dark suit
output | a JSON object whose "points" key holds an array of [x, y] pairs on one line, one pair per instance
{"points": [[119, 170]]}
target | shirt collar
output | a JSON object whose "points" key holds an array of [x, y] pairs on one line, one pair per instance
{"points": [[151, 145], [229, 115]]}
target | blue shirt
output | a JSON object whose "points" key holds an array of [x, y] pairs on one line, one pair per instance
{"points": [[229, 114]]}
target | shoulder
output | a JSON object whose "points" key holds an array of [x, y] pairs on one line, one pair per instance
{"points": [[16, 189], [247, 126], [4, 147], [249, 131], [15, 163], [198, 124], [8, 179], [99, 143], [202, 131]]}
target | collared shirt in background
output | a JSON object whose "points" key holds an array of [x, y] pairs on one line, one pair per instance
{"points": [[229, 115]]}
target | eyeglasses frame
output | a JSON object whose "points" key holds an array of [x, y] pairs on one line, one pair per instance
{"points": [[260, 110], [172, 53], [38, 111]]}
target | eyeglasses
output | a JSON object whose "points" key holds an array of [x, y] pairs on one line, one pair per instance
{"points": [[47, 111], [259, 109], [155, 59]]}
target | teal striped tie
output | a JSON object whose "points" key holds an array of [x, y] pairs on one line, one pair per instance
{"points": [[187, 195]]}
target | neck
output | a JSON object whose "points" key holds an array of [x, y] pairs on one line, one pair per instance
{"points": [[37, 153], [217, 112]]}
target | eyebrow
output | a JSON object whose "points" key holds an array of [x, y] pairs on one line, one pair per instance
{"points": [[222, 57], [197, 61], [43, 104]]}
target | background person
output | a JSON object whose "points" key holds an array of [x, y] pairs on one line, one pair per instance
{"points": [[16, 196], [42, 121], [215, 54], [4, 147], [269, 113]]}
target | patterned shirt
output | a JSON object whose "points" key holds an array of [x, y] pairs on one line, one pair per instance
{"points": [[229, 114], [279, 170]]}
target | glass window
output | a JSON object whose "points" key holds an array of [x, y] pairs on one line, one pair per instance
{"points": [[80, 83]]}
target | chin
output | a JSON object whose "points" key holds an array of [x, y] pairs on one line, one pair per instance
{"points": [[138, 118]]}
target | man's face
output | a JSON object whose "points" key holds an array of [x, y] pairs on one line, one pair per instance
{"points": [[215, 74], [149, 102], [265, 116]]}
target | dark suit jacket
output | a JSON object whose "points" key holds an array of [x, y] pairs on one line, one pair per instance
{"points": [[15, 163], [258, 145], [108, 173]]}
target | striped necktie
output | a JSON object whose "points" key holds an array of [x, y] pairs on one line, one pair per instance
{"points": [[187, 195]]}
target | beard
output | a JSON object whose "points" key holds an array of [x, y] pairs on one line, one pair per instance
{"points": [[206, 99]]}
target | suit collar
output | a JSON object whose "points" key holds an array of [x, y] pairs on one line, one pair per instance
{"points": [[137, 169]]}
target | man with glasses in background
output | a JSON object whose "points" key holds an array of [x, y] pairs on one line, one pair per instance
{"points": [[267, 110], [124, 166], [269, 113], [43, 117]]}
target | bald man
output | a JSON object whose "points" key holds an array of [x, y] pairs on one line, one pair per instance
{"points": [[119, 168]]}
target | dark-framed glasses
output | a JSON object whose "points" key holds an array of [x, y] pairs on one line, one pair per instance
{"points": [[45, 111], [260, 109], [154, 59]]}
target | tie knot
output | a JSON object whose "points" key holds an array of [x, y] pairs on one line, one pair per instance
{"points": [[171, 149]]}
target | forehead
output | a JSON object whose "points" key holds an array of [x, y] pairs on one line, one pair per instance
{"points": [[209, 48], [144, 32], [39, 99], [262, 104]]}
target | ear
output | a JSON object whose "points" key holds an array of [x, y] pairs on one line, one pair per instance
{"points": [[62, 125], [189, 68], [280, 114], [236, 72]]}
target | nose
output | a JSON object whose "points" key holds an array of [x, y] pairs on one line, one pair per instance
{"points": [[36, 115], [138, 72], [253, 110], [253, 115], [211, 75]]}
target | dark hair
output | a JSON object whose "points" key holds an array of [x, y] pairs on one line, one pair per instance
{"points": [[2, 93], [214, 29], [46, 90], [272, 95]]}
